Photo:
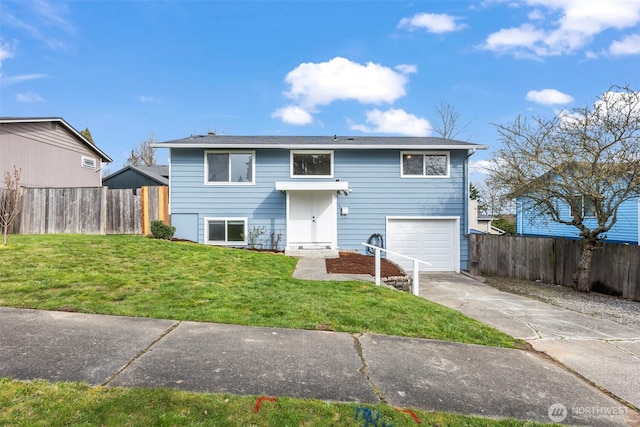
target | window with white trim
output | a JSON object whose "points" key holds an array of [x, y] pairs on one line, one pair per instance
{"points": [[584, 206], [424, 164], [312, 164], [229, 167], [225, 231], [89, 162]]}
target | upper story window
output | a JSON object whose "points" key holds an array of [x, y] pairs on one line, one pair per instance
{"points": [[89, 162], [230, 167], [425, 164], [312, 164], [584, 206]]}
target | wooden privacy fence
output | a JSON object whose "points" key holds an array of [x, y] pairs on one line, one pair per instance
{"points": [[91, 210], [615, 269]]}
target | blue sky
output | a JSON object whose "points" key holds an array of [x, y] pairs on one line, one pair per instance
{"points": [[127, 68]]}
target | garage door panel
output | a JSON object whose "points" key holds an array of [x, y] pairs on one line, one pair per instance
{"points": [[432, 240]]}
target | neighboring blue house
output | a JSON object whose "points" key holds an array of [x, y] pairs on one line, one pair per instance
{"points": [[324, 192], [625, 230]]}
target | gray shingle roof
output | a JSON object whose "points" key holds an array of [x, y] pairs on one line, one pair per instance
{"points": [[317, 142]]}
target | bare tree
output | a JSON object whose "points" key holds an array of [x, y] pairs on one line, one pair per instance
{"points": [[575, 168], [448, 124], [10, 202], [143, 155], [493, 199]]}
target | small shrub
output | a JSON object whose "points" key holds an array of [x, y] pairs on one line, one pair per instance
{"points": [[160, 230]]}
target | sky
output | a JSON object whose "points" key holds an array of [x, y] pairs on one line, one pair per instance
{"points": [[126, 69]]}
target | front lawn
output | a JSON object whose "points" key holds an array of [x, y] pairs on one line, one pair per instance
{"points": [[40, 403], [144, 277]]}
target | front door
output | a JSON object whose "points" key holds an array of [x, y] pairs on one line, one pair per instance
{"points": [[311, 219]]}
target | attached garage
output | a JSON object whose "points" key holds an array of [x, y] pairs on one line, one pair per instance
{"points": [[432, 239]]}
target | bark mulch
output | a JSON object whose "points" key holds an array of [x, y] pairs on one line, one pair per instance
{"points": [[354, 263]]}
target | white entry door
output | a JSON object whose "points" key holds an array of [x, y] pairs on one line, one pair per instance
{"points": [[311, 219]]}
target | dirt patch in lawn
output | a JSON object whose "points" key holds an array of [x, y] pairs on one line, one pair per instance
{"points": [[354, 263]]}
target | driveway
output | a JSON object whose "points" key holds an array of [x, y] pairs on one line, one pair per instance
{"points": [[603, 352]]}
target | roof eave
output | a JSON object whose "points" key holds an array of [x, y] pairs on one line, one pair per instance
{"points": [[326, 146]]}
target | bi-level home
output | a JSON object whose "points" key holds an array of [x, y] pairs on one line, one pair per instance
{"points": [[331, 192]]}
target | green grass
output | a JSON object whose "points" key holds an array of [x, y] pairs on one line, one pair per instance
{"points": [[40, 403], [144, 277]]}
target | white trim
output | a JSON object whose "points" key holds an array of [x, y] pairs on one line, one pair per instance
{"points": [[89, 162], [425, 153], [456, 248], [225, 242], [294, 152], [312, 186], [229, 183]]}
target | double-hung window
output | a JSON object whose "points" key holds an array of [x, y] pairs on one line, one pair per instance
{"points": [[225, 231], [424, 164], [312, 164], [229, 167]]}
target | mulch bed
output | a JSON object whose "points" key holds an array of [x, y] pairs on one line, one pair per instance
{"points": [[354, 263]]}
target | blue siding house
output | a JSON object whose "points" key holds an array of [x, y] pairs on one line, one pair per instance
{"points": [[625, 230], [324, 192]]}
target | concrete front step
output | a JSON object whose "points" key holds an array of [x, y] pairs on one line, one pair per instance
{"points": [[312, 253]]}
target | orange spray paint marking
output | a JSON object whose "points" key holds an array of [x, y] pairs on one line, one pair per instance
{"points": [[411, 414], [259, 402]]}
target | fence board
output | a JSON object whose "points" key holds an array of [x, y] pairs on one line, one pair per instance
{"points": [[89, 210], [615, 269]]}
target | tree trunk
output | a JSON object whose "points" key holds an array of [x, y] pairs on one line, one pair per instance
{"points": [[581, 277]]}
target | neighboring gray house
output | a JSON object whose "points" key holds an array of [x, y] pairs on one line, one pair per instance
{"points": [[325, 192], [49, 153], [138, 176]]}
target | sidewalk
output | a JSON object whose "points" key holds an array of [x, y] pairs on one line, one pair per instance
{"points": [[367, 368], [603, 352]]}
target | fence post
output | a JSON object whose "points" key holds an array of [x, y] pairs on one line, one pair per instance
{"points": [[415, 287], [377, 264]]}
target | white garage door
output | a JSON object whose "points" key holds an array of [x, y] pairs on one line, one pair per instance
{"points": [[435, 240]]}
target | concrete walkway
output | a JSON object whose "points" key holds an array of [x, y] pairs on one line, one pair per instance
{"points": [[604, 352]]}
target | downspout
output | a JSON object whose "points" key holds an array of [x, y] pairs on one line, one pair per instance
{"points": [[467, 190]]}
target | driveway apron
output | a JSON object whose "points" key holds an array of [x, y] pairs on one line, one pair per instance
{"points": [[603, 352]]}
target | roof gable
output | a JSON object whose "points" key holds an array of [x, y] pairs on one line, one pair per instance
{"points": [[103, 156]]}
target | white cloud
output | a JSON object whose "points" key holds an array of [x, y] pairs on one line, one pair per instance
{"points": [[316, 84], [340, 79], [6, 51], [148, 99], [293, 115], [29, 97], [630, 45], [432, 22], [479, 166], [46, 21], [5, 81], [574, 24], [549, 97], [394, 121]]}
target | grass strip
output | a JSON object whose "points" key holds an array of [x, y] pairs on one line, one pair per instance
{"points": [[41, 403]]}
